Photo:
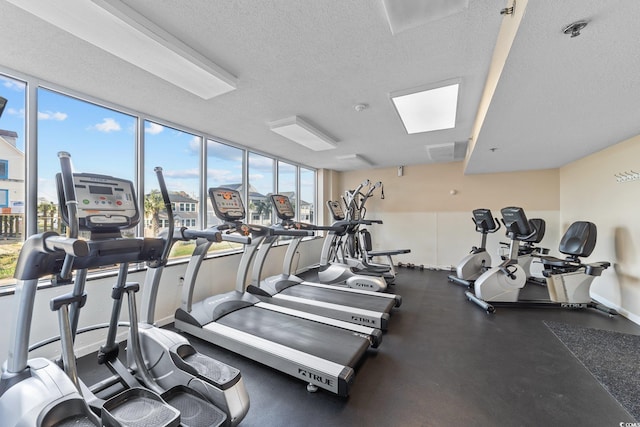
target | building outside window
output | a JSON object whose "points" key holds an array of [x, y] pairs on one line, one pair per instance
{"points": [[12, 175]]}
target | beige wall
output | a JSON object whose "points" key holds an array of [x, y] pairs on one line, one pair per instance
{"points": [[420, 213], [589, 191]]}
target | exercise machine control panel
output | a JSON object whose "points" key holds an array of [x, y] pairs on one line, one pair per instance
{"points": [[227, 204], [336, 210], [483, 219], [515, 221], [283, 206], [103, 202]]}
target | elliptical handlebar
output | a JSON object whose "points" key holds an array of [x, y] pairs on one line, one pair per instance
{"points": [[359, 187], [69, 188], [71, 246], [167, 204]]}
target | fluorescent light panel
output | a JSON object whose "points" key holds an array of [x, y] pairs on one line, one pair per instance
{"points": [[354, 160], [405, 14], [116, 28], [428, 110], [301, 132]]}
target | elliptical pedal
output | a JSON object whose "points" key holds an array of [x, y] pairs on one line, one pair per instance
{"points": [[195, 411], [137, 407]]}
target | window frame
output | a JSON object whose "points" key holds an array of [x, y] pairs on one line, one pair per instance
{"points": [[4, 163], [33, 84]]}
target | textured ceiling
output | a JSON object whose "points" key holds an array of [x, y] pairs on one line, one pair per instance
{"points": [[557, 98]]}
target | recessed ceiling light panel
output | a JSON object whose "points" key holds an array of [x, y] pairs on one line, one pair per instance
{"points": [[301, 132], [427, 110], [353, 160], [116, 28], [406, 14]]}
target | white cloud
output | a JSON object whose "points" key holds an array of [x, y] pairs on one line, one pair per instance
{"points": [[185, 173], [50, 115], [221, 151], [107, 125], [223, 176], [14, 112], [153, 128], [15, 85]]}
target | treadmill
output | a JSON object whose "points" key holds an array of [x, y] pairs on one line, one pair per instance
{"points": [[322, 352], [351, 305]]}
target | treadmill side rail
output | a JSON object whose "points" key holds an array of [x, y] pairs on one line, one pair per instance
{"points": [[325, 374]]}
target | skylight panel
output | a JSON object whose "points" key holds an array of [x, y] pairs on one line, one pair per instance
{"points": [[428, 110]]}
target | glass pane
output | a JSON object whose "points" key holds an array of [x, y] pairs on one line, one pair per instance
{"points": [[287, 182], [307, 195], [261, 171], [178, 154], [99, 140], [224, 169], [12, 175]]}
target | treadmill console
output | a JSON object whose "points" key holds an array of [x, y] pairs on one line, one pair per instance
{"points": [[284, 210], [227, 204], [336, 210], [105, 203]]}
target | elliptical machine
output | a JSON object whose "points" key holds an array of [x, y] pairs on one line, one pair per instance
{"points": [[37, 392], [172, 362], [568, 280], [333, 272], [107, 205], [478, 260], [355, 247]]}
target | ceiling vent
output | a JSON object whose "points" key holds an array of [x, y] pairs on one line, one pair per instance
{"points": [[450, 152]]}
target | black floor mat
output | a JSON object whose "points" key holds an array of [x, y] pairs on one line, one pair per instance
{"points": [[613, 358]]}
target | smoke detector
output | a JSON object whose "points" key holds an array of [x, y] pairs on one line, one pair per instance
{"points": [[575, 28]]}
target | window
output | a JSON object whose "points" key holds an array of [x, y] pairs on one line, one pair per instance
{"points": [[12, 169], [287, 182], [261, 172], [4, 169], [224, 169], [103, 140], [178, 154], [99, 140], [307, 195]]}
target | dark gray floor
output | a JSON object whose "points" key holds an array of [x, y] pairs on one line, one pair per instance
{"points": [[444, 362]]}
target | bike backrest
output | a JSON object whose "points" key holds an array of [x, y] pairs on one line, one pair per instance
{"points": [[539, 225], [579, 240]]}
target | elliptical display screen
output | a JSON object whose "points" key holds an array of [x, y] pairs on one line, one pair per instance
{"points": [[227, 204], [104, 202], [336, 210], [284, 210]]}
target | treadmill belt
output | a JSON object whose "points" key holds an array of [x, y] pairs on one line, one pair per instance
{"points": [[366, 302], [324, 341]]}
